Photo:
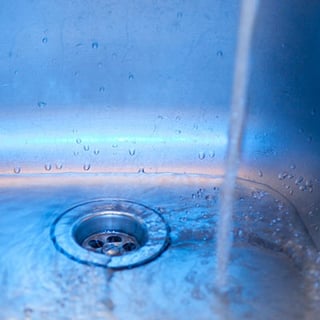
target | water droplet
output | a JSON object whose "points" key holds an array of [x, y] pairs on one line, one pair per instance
{"points": [[299, 180], [114, 145], [308, 183], [86, 148], [260, 173], [212, 154], [179, 15], [78, 141], [132, 152], [101, 89], [96, 151], [293, 166], [310, 213], [100, 64], [282, 175], [219, 53], [95, 45], [86, 167], [28, 313], [59, 165], [44, 40], [201, 155], [302, 188], [41, 104], [17, 170], [240, 233], [131, 76], [141, 170], [48, 166]]}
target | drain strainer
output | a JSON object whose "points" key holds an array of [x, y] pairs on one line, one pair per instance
{"points": [[110, 233]]}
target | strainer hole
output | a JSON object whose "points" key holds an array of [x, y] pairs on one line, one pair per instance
{"points": [[95, 244], [129, 246], [114, 239]]}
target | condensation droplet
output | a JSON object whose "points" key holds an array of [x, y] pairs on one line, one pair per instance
{"points": [[293, 166], [17, 170], [114, 145], [48, 166], [141, 170], [86, 167], [132, 152], [299, 180], [201, 155], [260, 173], [44, 40], [78, 141], [86, 148], [101, 89], [131, 76], [96, 151]]}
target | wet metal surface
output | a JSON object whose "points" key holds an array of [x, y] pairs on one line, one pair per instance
{"points": [[272, 261]]}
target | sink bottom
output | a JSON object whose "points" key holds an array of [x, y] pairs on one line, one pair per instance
{"points": [[273, 268]]}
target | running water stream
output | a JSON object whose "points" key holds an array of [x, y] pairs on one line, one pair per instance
{"points": [[236, 126]]}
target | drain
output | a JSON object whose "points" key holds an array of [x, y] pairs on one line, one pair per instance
{"points": [[110, 233]]}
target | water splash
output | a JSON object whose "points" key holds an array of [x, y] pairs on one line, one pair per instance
{"points": [[238, 111]]}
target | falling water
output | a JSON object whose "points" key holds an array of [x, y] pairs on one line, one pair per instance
{"points": [[238, 111]]}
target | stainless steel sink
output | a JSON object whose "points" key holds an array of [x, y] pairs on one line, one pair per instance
{"points": [[130, 100]]}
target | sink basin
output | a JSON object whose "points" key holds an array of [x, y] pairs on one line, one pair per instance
{"points": [[129, 102]]}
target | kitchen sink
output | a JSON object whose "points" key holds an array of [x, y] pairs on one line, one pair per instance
{"points": [[114, 133]]}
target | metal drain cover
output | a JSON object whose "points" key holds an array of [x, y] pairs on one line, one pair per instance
{"points": [[114, 234]]}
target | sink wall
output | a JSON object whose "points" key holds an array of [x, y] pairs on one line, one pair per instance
{"points": [[105, 86]]}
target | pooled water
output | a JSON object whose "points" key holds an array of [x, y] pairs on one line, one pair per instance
{"points": [[274, 270]]}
